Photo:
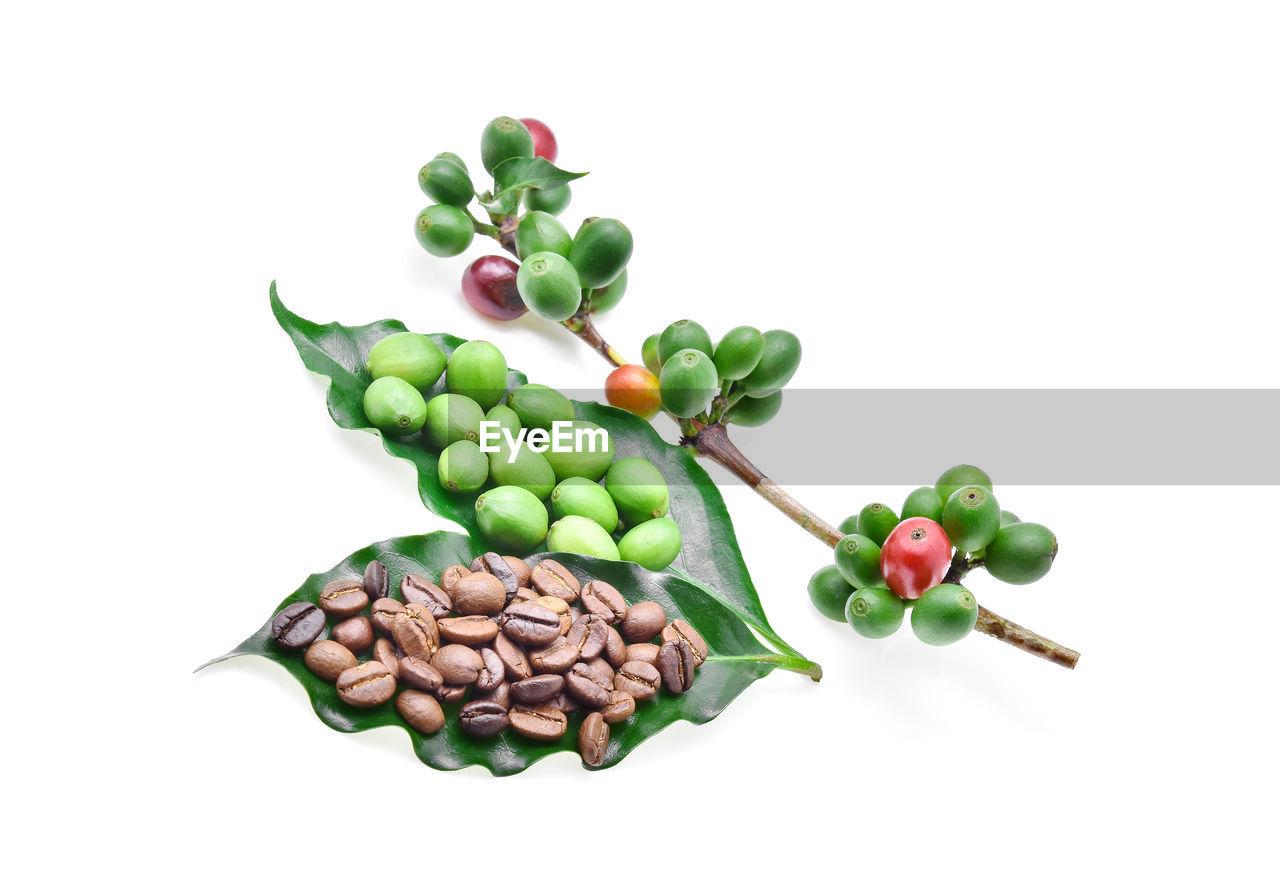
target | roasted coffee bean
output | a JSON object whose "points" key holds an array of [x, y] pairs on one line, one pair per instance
{"points": [[524, 595], [588, 688], [384, 612], [450, 577], [513, 658], [539, 722], [615, 650], [555, 658], [343, 598], [356, 633], [682, 630], [537, 689], [638, 679], [421, 711], [575, 613], [375, 580], [419, 674], [520, 568], [420, 589], [593, 739], [560, 608], [496, 565], [365, 685], [647, 652], [385, 651], [603, 669], [676, 663], [500, 695], [644, 621], [328, 659], [552, 577], [298, 624], [450, 693], [530, 624], [415, 631], [587, 636], [492, 673], [565, 702], [478, 594], [602, 599], [621, 707], [476, 566], [482, 719], [470, 630], [458, 664]]}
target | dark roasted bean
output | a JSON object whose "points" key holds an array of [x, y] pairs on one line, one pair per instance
{"points": [[593, 739], [603, 669], [478, 594], [482, 719], [383, 614], [644, 621], [375, 580], [602, 599], [530, 624], [343, 598], [555, 658], [420, 589], [450, 693], [682, 630], [496, 565], [621, 707], [638, 679], [419, 674], [537, 689], [539, 722], [420, 710], [500, 695], [356, 633], [587, 636], [520, 568], [565, 702], [676, 663], [513, 658], [552, 577], [369, 684], [615, 650], [588, 688], [459, 665], [297, 625], [470, 630], [492, 673], [328, 659]]}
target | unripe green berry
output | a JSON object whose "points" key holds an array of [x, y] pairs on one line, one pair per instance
{"points": [[601, 249], [394, 406], [650, 355], [1007, 518], [638, 490], [592, 461], [958, 477], [450, 418], [653, 545], [579, 496], [549, 286], [504, 138], [582, 536], [688, 383], [924, 502], [738, 352], [523, 468], [874, 613], [681, 335], [552, 201], [463, 467], [755, 411], [606, 298], [1022, 552], [944, 614], [877, 521], [542, 232], [971, 518], [858, 559], [849, 525], [478, 370], [450, 156], [778, 363], [445, 182], [411, 356], [506, 419], [540, 406], [444, 230], [511, 519], [828, 592]]}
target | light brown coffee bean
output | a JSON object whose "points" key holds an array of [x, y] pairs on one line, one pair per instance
{"points": [[368, 684], [603, 669], [676, 663], [420, 710], [492, 673], [602, 599], [647, 652], [560, 608], [539, 722], [513, 658], [587, 636], [537, 689], [621, 707], [520, 568], [343, 598], [555, 658], [450, 577], [586, 687], [470, 630], [356, 633], [553, 578], [615, 650], [419, 674], [383, 614], [530, 624], [682, 630], [458, 664], [420, 589], [638, 679], [327, 659], [478, 594], [385, 651], [524, 595], [593, 739], [415, 631], [644, 621]]}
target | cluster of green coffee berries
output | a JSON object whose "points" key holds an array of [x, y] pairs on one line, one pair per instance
{"points": [[524, 450], [738, 379], [886, 564]]}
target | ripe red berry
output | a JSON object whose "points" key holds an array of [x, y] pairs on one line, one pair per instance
{"points": [[915, 557], [634, 389], [544, 141], [489, 285]]}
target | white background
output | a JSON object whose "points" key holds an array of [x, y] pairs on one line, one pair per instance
{"points": [[930, 194]]}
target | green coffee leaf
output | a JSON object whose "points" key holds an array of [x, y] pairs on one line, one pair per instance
{"points": [[516, 174]]}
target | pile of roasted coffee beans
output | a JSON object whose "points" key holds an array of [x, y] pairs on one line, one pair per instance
{"points": [[525, 646]]}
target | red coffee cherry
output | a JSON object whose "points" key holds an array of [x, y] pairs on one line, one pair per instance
{"points": [[489, 285], [915, 557], [544, 141]]}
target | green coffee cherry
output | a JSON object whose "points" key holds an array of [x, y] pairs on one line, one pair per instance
{"points": [[849, 525], [755, 411], [828, 591], [463, 467], [958, 477], [591, 461], [1022, 552], [542, 232], [1007, 518], [450, 418], [688, 383], [573, 533], [650, 355], [411, 356], [738, 352], [552, 201], [549, 285], [540, 406], [506, 419], [681, 335], [444, 181], [601, 249], [444, 230], [971, 518], [578, 496], [653, 545], [450, 156], [638, 490], [874, 613], [778, 363], [604, 299], [477, 370], [944, 614], [523, 468], [877, 521], [858, 559], [924, 502], [504, 138], [511, 519], [394, 406]]}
